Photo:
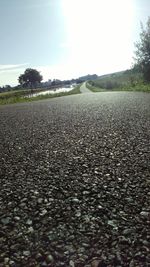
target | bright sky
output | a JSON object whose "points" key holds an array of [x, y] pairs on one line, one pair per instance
{"points": [[66, 39]]}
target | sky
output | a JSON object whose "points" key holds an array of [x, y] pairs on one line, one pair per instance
{"points": [[66, 39]]}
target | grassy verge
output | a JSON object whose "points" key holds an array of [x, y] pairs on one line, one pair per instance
{"points": [[137, 88], [21, 96], [95, 89], [140, 87]]}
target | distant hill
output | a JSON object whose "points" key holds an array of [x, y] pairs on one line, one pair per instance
{"points": [[121, 76], [110, 75], [88, 77]]}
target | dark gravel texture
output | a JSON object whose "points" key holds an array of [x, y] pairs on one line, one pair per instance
{"points": [[74, 186]]}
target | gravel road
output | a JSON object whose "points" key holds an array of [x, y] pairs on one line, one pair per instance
{"points": [[74, 186]]}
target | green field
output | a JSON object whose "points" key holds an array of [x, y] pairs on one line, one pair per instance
{"points": [[22, 96]]}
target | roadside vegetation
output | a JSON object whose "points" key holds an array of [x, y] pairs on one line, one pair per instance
{"points": [[21, 96], [129, 80], [92, 86]]}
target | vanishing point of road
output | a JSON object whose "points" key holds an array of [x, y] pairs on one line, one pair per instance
{"points": [[74, 186]]}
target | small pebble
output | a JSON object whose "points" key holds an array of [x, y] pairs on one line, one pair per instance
{"points": [[71, 263], [49, 258], [144, 214], [29, 222], [17, 218], [40, 200], [5, 220], [26, 253]]}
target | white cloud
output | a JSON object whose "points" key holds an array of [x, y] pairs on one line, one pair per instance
{"points": [[4, 68], [9, 73]]}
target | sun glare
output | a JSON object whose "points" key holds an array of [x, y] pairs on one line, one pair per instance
{"points": [[99, 29]]}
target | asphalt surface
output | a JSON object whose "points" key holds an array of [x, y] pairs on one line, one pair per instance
{"points": [[74, 186]]}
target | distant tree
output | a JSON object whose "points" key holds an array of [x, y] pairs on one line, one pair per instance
{"points": [[78, 81], [30, 78], [5, 88], [66, 82], [56, 82], [142, 60]]}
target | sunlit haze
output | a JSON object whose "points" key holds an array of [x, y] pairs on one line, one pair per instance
{"points": [[66, 39]]}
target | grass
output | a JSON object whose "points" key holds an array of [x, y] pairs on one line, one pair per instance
{"points": [[20, 96], [94, 89], [121, 77], [140, 87], [121, 81]]}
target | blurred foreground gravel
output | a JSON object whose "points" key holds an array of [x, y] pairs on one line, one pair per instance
{"points": [[74, 186]]}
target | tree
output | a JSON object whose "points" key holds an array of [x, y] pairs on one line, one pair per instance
{"points": [[143, 52], [30, 78]]}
